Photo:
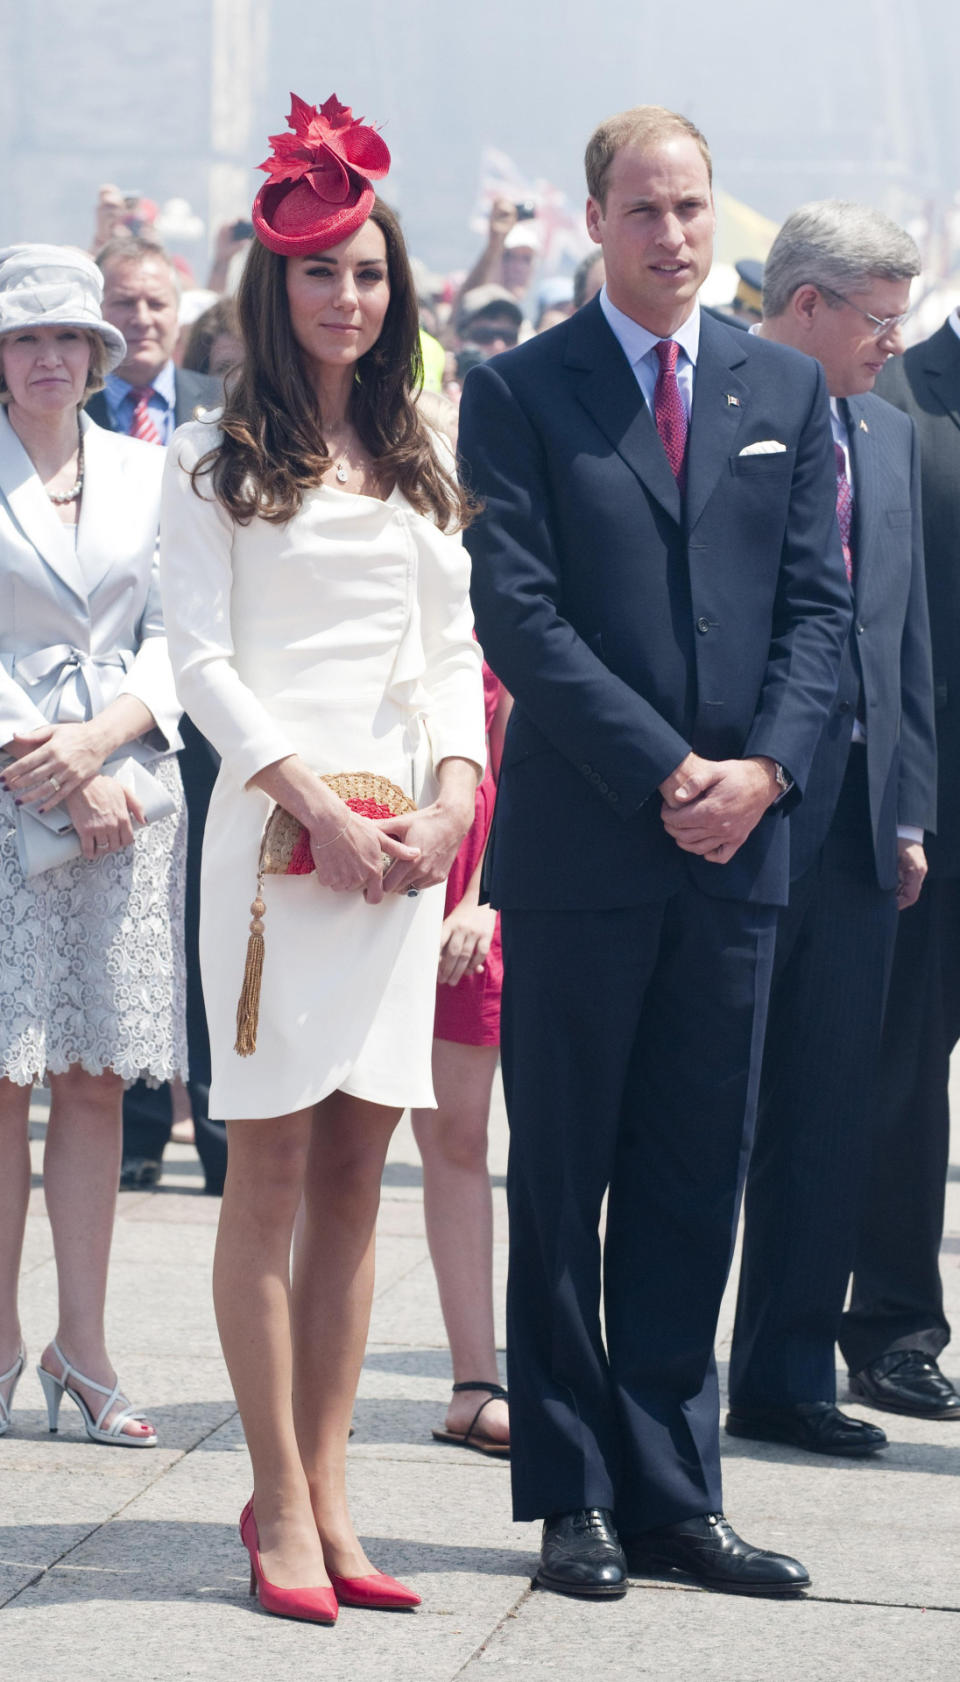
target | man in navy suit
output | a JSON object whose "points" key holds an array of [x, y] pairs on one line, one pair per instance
{"points": [[148, 396], [837, 285], [895, 1325], [658, 581]]}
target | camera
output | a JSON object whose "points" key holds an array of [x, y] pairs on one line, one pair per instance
{"points": [[526, 210]]}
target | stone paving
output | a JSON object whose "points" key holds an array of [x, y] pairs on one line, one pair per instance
{"points": [[124, 1566]]}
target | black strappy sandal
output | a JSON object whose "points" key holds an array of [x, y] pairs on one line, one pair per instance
{"points": [[470, 1438]]}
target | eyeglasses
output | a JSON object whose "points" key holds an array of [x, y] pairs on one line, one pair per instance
{"points": [[481, 335], [879, 325]]}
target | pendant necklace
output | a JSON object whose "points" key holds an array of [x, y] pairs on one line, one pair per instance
{"points": [[340, 471]]}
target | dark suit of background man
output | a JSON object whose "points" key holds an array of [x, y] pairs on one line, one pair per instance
{"points": [[670, 615], [149, 397], [895, 1327], [837, 285]]}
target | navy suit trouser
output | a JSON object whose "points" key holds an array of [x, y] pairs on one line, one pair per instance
{"points": [[897, 1297], [148, 1111], [811, 1152], [631, 1054]]}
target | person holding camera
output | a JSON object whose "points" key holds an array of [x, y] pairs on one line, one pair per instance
{"points": [[509, 256]]}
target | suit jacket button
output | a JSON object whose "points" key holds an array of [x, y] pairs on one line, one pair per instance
{"points": [[860, 629], [586, 769], [614, 797], [595, 776], [604, 788], [843, 706], [703, 626]]}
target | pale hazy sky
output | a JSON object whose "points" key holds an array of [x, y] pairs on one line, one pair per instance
{"points": [[821, 99]]}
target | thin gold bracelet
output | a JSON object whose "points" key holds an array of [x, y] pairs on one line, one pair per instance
{"points": [[318, 846]]}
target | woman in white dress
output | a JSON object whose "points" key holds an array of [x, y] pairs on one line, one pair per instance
{"points": [[91, 949], [317, 608]]}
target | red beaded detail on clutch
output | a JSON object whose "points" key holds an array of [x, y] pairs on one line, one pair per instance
{"points": [[285, 851]]}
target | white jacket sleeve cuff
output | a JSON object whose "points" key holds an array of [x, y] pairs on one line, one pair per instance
{"points": [[150, 679]]}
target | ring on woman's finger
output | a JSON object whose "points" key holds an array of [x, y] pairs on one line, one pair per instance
{"points": [[54, 783], [385, 863], [102, 846]]}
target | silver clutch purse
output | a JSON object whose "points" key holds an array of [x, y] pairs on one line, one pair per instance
{"points": [[46, 839]]}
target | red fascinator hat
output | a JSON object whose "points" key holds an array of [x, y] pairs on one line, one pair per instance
{"points": [[318, 191]]}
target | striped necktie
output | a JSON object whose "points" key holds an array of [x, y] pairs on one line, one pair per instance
{"points": [[141, 421]]}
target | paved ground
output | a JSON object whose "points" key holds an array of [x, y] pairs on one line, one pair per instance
{"points": [[119, 1566]]}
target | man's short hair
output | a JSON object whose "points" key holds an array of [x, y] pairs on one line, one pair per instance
{"points": [[839, 245], [135, 248], [644, 125]]}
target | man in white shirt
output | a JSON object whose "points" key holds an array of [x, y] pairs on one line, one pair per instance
{"points": [[657, 580], [837, 286]]}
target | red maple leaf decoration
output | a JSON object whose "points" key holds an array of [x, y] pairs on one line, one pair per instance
{"points": [[327, 148]]}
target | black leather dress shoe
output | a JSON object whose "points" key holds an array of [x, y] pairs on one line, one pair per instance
{"points": [[709, 1549], [139, 1173], [817, 1426], [906, 1381], [581, 1554]]}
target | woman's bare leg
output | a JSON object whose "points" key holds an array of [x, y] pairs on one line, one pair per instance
{"points": [[266, 1161], [332, 1293], [14, 1196], [458, 1211], [81, 1171]]}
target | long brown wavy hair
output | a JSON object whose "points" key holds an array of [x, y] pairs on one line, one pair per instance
{"points": [[273, 449]]}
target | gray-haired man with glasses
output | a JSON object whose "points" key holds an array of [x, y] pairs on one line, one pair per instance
{"points": [[837, 286]]}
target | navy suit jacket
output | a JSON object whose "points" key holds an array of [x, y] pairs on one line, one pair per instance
{"points": [[193, 392], [925, 384], [887, 659], [632, 625]]}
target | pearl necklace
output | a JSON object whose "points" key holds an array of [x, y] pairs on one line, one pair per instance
{"points": [[72, 495]]}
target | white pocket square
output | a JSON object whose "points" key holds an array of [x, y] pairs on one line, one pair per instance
{"points": [[766, 447]]}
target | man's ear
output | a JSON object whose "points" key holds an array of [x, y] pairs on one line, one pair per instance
{"points": [[803, 305], [594, 220]]}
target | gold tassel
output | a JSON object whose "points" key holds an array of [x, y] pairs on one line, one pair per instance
{"points": [[248, 1009]]}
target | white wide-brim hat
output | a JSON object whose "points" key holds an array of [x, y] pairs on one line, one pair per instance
{"points": [[55, 286]]}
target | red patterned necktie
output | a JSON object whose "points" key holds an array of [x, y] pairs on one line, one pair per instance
{"points": [[844, 509], [141, 421], [668, 410]]}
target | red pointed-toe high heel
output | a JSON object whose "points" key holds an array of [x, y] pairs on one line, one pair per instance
{"points": [[312, 1606], [376, 1592]]}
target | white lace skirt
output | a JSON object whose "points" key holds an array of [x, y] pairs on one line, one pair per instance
{"points": [[91, 956]]}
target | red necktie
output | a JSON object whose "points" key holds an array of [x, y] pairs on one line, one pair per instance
{"points": [[141, 421], [668, 410], [844, 509]]}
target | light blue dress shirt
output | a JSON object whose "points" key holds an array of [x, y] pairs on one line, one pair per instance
{"points": [[640, 349], [161, 406]]}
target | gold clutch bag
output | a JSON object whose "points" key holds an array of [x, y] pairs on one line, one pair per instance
{"points": [[285, 851]]}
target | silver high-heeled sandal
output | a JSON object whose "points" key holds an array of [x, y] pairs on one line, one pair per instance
{"points": [[55, 1389], [11, 1376]]}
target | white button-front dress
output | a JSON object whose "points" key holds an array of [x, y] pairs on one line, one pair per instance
{"points": [[343, 636]]}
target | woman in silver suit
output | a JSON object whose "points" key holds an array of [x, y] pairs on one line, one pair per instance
{"points": [[92, 833]]}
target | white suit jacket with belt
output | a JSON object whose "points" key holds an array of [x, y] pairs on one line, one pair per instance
{"points": [[81, 624]]}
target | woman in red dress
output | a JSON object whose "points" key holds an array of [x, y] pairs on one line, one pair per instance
{"points": [[458, 1206]]}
